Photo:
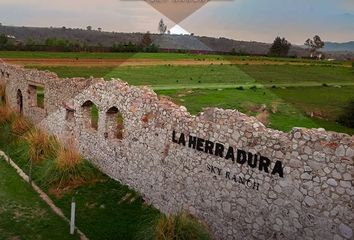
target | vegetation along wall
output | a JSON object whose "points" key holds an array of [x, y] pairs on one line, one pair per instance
{"points": [[245, 180]]}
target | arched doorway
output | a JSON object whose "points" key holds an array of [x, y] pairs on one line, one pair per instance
{"points": [[19, 101]]}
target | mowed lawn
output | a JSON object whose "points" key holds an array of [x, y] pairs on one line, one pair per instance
{"points": [[23, 215]]}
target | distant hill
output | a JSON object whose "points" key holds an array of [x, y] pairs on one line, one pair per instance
{"points": [[339, 47], [173, 42]]}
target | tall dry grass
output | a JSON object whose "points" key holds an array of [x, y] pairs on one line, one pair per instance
{"points": [[20, 125], [180, 227], [7, 115], [41, 145]]}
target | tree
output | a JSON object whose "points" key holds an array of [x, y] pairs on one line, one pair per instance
{"points": [[99, 29], [280, 47], [314, 44], [89, 28], [162, 27], [146, 41]]}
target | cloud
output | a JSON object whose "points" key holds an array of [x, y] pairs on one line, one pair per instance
{"points": [[258, 20]]}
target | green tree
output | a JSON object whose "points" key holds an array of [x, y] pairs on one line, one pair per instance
{"points": [[314, 44], [162, 28], [280, 47], [146, 41]]}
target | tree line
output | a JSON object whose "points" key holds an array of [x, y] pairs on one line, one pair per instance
{"points": [[281, 47], [64, 45]]}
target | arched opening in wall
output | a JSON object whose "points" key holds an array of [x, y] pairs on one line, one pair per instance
{"points": [[114, 124], [19, 101], [90, 115]]}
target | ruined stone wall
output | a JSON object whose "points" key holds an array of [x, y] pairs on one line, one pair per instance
{"points": [[245, 180]]}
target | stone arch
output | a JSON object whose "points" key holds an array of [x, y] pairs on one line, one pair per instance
{"points": [[19, 98], [90, 115], [114, 124]]}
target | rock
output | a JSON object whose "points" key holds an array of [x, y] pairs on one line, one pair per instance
{"points": [[309, 201], [345, 231], [340, 151], [332, 182]]}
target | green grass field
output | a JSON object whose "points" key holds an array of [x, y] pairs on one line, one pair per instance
{"points": [[23, 215], [162, 56], [300, 89], [285, 113]]}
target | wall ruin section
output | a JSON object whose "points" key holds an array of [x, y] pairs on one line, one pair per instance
{"points": [[245, 180]]}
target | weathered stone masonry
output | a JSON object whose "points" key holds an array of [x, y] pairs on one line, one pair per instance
{"points": [[218, 165]]}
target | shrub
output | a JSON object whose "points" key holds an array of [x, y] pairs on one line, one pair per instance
{"points": [[325, 85], [67, 168], [240, 88], [347, 117], [6, 114], [20, 126], [41, 145], [181, 226], [253, 87]]}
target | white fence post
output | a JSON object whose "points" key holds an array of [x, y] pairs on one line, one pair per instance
{"points": [[72, 218]]}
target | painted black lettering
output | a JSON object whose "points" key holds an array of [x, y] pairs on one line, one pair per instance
{"points": [[219, 150], [278, 168], [174, 137], [230, 154], [200, 144], [241, 156], [209, 146], [252, 160], [227, 175], [192, 142], [182, 140], [264, 164]]}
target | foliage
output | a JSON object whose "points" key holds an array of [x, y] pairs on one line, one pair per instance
{"points": [[181, 226], [347, 117], [6, 114], [20, 125], [41, 145], [66, 169], [314, 44], [280, 47], [146, 41], [162, 28]]}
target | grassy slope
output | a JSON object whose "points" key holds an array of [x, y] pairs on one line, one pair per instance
{"points": [[23, 215], [248, 101], [105, 210]]}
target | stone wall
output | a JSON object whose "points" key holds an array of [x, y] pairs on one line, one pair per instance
{"points": [[245, 180]]}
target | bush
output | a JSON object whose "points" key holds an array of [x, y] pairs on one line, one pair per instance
{"points": [[325, 85], [40, 145], [347, 118], [182, 226], [67, 168], [20, 126], [240, 88], [6, 114]]}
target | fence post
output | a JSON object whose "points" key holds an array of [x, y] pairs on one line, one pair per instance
{"points": [[72, 218]]}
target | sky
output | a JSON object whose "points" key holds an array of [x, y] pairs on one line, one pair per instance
{"points": [[250, 20]]}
